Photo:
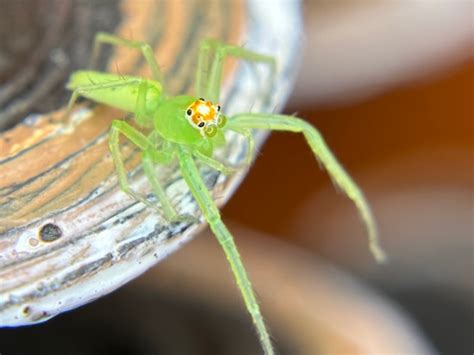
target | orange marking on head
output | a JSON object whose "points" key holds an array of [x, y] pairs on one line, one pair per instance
{"points": [[201, 112]]}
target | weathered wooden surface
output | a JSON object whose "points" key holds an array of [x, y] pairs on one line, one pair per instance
{"points": [[67, 233]]}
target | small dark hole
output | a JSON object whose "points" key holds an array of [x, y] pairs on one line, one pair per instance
{"points": [[50, 232], [26, 310]]}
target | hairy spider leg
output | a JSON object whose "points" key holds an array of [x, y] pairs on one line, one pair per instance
{"points": [[202, 70], [209, 75], [213, 163], [210, 211], [150, 154], [164, 156], [142, 115], [146, 50], [325, 156], [250, 143]]}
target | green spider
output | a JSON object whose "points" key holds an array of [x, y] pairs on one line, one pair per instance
{"points": [[188, 128]]}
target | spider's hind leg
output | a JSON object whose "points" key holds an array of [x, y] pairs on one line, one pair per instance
{"points": [[209, 75], [146, 50]]}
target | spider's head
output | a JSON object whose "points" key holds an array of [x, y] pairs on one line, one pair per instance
{"points": [[205, 116]]}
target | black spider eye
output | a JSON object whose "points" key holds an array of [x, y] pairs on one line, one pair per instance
{"points": [[201, 99], [201, 124], [218, 107], [189, 112]]}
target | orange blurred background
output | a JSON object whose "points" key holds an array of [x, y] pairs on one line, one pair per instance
{"points": [[417, 135]]}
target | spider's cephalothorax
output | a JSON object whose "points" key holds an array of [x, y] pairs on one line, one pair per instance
{"points": [[205, 116]]}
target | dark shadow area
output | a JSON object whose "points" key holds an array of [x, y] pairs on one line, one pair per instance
{"points": [[131, 323]]}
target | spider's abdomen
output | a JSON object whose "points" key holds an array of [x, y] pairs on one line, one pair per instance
{"points": [[118, 91]]}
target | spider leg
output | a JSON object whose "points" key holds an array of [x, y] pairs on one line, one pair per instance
{"points": [[202, 70], [250, 144], [146, 50], [169, 212], [325, 156], [211, 213], [142, 116], [213, 163], [209, 76], [142, 142]]}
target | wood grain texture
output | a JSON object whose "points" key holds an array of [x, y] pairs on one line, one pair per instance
{"points": [[58, 172]]}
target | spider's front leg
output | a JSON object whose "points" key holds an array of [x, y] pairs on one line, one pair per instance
{"points": [[211, 213], [324, 155]]}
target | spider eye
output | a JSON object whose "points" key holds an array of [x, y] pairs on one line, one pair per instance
{"points": [[221, 121], [210, 130], [201, 124], [201, 99], [189, 112]]}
